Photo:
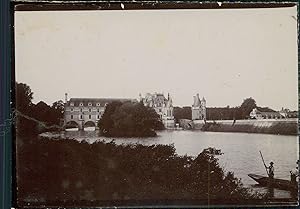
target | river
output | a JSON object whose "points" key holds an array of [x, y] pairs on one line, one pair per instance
{"points": [[241, 150]]}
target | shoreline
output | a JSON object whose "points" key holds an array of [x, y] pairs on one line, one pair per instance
{"points": [[289, 128]]}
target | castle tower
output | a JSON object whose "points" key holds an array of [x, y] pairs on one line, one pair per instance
{"points": [[66, 98], [196, 108], [199, 108], [203, 105]]}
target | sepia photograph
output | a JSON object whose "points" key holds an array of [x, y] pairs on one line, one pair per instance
{"points": [[156, 107]]}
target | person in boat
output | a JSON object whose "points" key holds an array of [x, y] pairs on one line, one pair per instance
{"points": [[295, 174], [271, 170]]}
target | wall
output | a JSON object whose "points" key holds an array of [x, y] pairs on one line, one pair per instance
{"points": [[268, 126]]}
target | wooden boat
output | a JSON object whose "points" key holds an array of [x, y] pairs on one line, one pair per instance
{"points": [[275, 183]]}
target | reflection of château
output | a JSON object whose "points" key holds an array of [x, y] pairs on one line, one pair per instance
{"points": [[162, 105]]}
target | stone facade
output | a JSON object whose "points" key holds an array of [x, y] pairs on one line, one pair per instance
{"points": [[162, 105], [83, 112], [199, 108]]}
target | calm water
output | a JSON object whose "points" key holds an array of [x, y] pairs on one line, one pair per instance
{"points": [[241, 150]]}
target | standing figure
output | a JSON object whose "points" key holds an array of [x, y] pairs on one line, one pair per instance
{"points": [[271, 170], [294, 174]]}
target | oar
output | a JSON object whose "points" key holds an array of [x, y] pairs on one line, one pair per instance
{"points": [[264, 162]]}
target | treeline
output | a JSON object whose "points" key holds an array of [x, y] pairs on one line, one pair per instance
{"points": [[221, 113], [66, 172], [35, 118], [129, 119], [225, 113], [182, 113]]}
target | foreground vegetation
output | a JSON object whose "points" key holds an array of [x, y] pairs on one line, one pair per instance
{"points": [[65, 172]]}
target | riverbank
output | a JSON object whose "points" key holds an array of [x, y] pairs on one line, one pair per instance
{"points": [[52, 170], [278, 127]]}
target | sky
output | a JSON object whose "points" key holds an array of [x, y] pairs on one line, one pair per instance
{"points": [[224, 55]]}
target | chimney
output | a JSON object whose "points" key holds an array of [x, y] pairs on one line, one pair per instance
{"points": [[66, 98]]}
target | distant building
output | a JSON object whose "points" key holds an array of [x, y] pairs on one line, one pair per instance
{"points": [[288, 113], [162, 105], [258, 113], [83, 112], [199, 108]]}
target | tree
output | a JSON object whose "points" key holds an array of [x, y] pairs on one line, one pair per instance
{"points": [[129, 119], [58, 105], [247, 106], [57, 111], [24, 97], [24, 105], [182, 113]]}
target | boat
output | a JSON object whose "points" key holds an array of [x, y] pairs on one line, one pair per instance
{"points": [[274, 183]]}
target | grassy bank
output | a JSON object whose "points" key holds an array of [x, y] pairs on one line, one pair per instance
{"points": [[280, 128], [66, 172]]}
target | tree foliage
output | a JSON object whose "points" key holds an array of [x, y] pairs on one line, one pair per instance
{"points": [[56, 170], [247, 106], [24, 97], [29, 113], [129, 119], [182, 113], [223, 113], [231, 113]]}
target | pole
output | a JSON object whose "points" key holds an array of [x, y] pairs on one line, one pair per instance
{"points": [[264, 162]]}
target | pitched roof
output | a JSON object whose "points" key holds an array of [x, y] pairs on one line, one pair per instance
{"points": [[197, 102], [265, 109], [97, 101]]}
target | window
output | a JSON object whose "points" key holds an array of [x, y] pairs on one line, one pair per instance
{"points": [[98, 116], [80, 117], [81, 104], [98, 110], [90, 110], [71, 116], [90, 104], [90, 116], [98, 104], [72, 109], [80, 109]]}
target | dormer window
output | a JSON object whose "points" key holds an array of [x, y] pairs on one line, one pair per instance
{"points": [[89, 104], [81, 104], [72, 104]]}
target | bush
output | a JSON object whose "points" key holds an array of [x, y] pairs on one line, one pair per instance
{"points": [[63, 172]]}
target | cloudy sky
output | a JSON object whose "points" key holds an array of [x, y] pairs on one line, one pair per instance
{"points": [[224, 55]]}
